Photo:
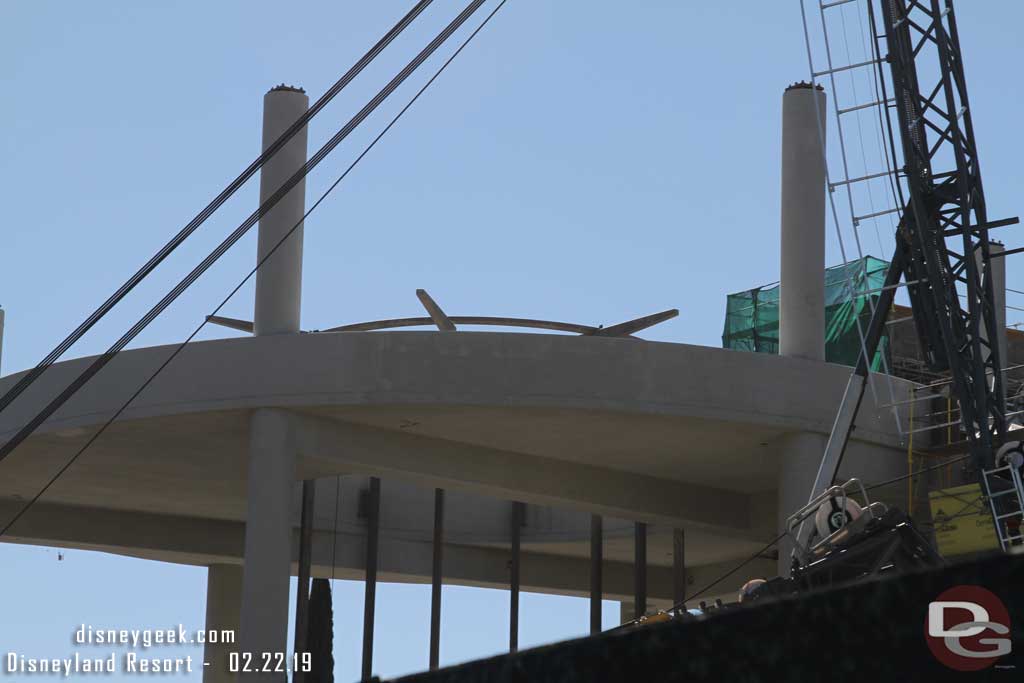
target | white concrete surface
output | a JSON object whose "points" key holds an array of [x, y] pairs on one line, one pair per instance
{"points": [[801, 278], [800, 455], [268, 538], [223, 613], [670, 434], [279, 279]]}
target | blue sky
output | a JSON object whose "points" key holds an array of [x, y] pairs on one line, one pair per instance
{"points": [[583, 161]]}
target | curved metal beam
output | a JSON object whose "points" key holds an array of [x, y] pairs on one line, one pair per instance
{"points": [[467, 320], [624, 329]]}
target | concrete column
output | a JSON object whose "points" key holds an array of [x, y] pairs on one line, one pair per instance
{"points": [[279, 280], [268, 537], [799, 458], [999, 293], [802, 272], [997, 264], [223, 613]]}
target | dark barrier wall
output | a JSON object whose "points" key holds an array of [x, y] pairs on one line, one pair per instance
{"points": [[870, 632]]}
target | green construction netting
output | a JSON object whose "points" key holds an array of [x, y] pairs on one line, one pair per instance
{"points": [[752, 317]]}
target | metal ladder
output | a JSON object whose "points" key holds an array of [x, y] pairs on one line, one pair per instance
{"points": [[1010, 508], [847, 105]]}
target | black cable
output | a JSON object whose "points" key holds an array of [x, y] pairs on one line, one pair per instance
{"points": [[203, 215], [252, 272], [916, 473], [102, 360]]}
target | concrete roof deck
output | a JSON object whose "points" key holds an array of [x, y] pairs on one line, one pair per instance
{"points": [[662, 432]]}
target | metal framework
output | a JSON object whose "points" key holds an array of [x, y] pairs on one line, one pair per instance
{"points": [[942, 246], [943, 233]]}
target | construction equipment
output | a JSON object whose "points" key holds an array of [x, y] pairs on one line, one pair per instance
{"points": [[942, 252]]}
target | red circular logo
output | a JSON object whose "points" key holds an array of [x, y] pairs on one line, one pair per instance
{"points": [[968, 628]]}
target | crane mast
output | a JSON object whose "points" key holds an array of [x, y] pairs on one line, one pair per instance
{"points": [[944, 227], [942, 246]]}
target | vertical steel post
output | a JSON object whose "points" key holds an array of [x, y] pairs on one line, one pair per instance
{"points": [[369, 603], [596, 562], [513, 611], [305, 557], [640, 570], [435, 588], [678, 567]]}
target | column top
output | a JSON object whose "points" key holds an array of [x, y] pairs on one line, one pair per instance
{"points": [[805, 86], [287, 88]]}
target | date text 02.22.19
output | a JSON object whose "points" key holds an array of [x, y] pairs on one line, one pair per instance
{"points": [[269, 662]]}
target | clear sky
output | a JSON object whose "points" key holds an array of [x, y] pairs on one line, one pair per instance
{"points": [[583, 161]]}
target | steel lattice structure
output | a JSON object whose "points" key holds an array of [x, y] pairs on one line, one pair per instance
{"points": [[942, 247], [943, 233]]}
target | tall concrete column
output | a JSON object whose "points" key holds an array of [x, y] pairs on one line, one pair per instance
{"points": [[268, 537], [799, 457], [802, 272], [223, 613], [999, 294], [268, 528], [997, 273], [279, 280]]}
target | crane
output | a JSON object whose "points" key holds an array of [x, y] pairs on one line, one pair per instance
{"points": [[942, 254]]}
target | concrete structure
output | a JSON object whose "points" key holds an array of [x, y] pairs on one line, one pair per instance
{"points": [[279, 279], [996, 249], [223, 607], [801, 285], [997, 264], [264, 608], [702, 443], [670, 434]]}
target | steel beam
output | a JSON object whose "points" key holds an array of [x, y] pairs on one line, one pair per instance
{"points": [[435, 583], [370, 600], [640, 570], [305, 555], [678, 567], [596, 565], [518, 510]]}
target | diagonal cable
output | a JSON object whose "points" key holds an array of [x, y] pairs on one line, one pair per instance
{"points": [[284, 238], [203, 215], [102, 360]]}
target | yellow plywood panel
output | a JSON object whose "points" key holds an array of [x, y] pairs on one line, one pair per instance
{"points": [[963, 521]]}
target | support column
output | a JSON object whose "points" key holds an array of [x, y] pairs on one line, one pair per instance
{"points": [[999, 290], [678, 567], [518, 510], [370, 588], [268, 537], [802, 271], [997, 264], [596, 565], [799, 458], [268, 526], [223, 613], [435, 581], [305, 565], [640, 570], [279, 280]]}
